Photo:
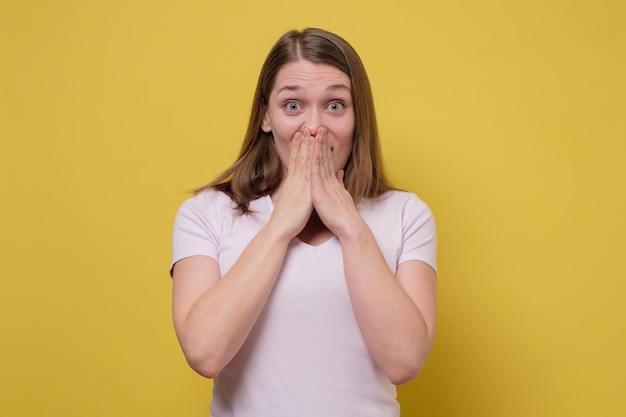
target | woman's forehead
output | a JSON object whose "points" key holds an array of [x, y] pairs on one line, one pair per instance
{"points": [[304, 74]]}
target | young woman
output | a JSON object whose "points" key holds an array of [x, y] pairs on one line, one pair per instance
{"points": [[304, 283]]}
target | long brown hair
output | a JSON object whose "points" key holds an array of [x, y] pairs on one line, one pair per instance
{"points": [[257, 170]]}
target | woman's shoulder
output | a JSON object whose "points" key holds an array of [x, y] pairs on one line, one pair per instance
{"points": [[397, 199], [210, 196], [396, 205], [206, 200], [216, 201]]}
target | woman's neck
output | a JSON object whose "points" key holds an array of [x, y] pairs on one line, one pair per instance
{"points": [[315, 232]]}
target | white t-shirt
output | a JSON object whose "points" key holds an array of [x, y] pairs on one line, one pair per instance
{"points": [[305, 356]]}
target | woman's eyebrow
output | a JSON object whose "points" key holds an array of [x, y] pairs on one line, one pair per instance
{"points": [[339, 87], [289, 88], [298, 88]]}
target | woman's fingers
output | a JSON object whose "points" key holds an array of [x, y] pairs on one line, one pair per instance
{"points": [[296, 143], [322, 162], [301, 147], [306, 149], [326, 164], [327, 184], [294, 206]]}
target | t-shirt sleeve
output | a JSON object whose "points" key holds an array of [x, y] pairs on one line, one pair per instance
{"points": [[419, 233], [195, 229]]}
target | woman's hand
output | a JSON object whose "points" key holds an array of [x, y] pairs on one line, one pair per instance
{"points": [[294, 206], [332, 202]]}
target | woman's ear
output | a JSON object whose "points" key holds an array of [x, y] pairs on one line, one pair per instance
{"points": [[266, 126]]}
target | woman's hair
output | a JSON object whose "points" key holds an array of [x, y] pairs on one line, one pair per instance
{"points": [[257, 170]]}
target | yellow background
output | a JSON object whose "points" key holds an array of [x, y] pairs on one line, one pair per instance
{"points": [[508, 118]]}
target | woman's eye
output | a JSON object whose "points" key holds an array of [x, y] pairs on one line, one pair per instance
{"points": [[335, 106], [292, 106]]}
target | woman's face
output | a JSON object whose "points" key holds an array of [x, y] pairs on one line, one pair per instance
{"points": [[309, 95]]}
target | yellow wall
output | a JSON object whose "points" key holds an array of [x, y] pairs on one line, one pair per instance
{"points": [[508, 118]]}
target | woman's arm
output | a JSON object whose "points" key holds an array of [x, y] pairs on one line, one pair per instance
{"points": [[213, 315], [396, 314]]}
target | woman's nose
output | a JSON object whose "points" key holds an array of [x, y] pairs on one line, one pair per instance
{"points": [[313, 122]]}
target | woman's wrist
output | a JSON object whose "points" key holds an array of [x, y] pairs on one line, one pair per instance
{"points": [[353, 232], [277, 234]]}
